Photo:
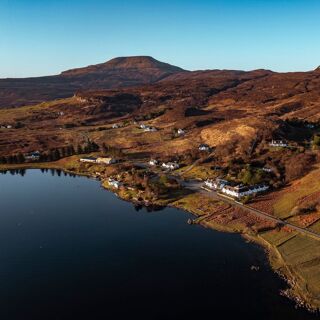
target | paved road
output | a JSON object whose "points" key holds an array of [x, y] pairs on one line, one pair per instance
{"points": [[197, 186]]}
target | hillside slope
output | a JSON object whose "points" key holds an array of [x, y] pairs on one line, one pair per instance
{"points": [[116, 73]]}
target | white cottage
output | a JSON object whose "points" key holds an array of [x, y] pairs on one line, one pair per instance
{"points": [[114, 183], [170, 165], [278, 143], [204, 147], [150, 129], [153, 162]]}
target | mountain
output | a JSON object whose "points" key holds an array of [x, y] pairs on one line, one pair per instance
{"points": [[116, 73], [149, 65]]}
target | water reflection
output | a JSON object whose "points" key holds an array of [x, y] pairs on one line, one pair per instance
{"points": [[71, 250]]}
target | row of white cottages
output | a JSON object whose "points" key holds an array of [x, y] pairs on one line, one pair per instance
{"points": [[238, 191], [165, 165]]}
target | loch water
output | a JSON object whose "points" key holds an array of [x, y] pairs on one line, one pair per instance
{"points": [[71, 250]]}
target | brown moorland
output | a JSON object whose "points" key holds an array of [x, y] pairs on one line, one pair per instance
{"points": [[237, 113]]}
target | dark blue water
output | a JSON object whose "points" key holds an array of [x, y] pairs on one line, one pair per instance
{"points": [[71, 250]]}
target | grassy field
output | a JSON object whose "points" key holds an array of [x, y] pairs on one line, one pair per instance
{"points": [[7, 115], [302, 257], [299, 189], [199, 171]]}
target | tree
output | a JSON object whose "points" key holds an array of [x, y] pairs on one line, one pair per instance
{"points": [[3, 160], [316, 141], [20, 158], [63, 152], [93, 146], [105, 148], [79, 149], [57, 154], [70, 150]]}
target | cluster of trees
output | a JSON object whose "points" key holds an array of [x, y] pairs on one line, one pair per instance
{"points": [[251, 176], [306, 207], [316, 141], [151, 115], [53, 154], [13, 159], [152, 188], [296, 122], [58, 153], [111, 151]]}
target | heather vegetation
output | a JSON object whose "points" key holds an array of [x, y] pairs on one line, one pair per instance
{"points": [[249, 128]]}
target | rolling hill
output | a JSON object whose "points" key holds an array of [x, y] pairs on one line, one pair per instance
{"points": [[116, 73]]}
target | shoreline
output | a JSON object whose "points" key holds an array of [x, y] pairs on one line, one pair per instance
{"points": [[295, 292]]}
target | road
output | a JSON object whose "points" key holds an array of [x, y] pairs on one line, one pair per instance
{"points": [[197, 186]]}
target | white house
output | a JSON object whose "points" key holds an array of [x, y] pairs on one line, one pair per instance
{"points": [[204, 147], [33, 156], [237, 191], [142, 126], [115, 126], [181, 132], [114, 183], [88, 159], [153, 162], [170, 165], [210, 184], [278, 143], [150, 129], [9, 126], [267, 169], [104, 160]]}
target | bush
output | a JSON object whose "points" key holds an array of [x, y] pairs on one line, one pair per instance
{"points": [[245, 199], [316, 141]]}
